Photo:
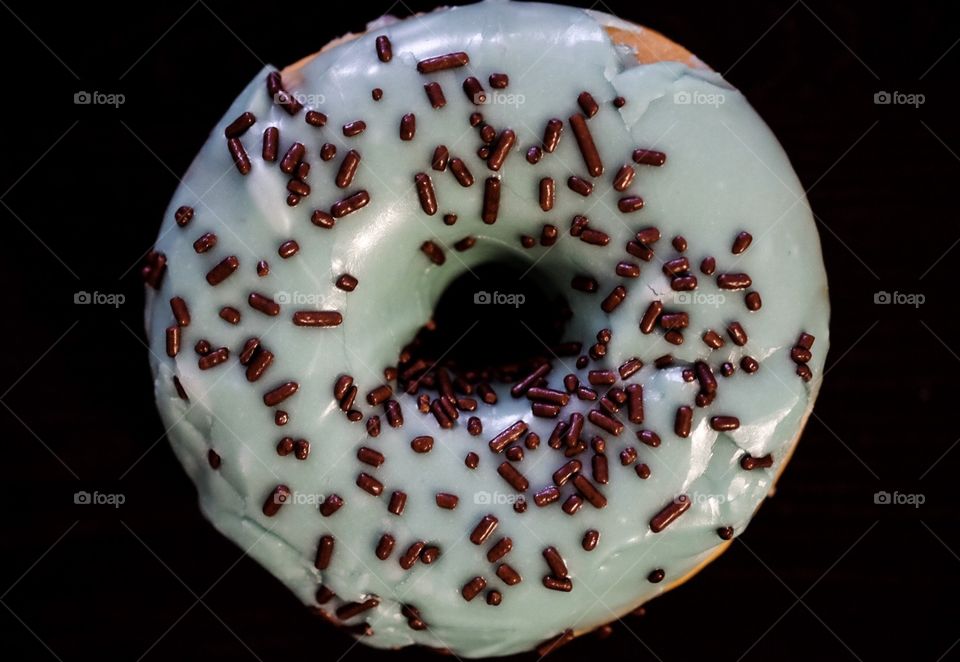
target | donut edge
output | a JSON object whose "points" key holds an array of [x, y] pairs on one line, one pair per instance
{"points": [[648, 47]]}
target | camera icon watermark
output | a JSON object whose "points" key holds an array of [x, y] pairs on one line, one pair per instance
{"points": [[884, 498], [484, 298], [694, 298], [698, 98], [96, 98], [95, 498], [884, 298], [84, 298], [895, 98]]}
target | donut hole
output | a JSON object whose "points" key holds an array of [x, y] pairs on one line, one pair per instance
{"points": [[500, 317]]}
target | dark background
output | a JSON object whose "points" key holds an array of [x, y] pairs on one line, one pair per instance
{"points": [[823, 572]]}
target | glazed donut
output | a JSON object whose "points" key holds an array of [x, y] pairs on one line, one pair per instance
{"points": [[487, 505]]}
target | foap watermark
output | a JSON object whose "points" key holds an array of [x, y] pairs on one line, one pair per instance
{"points": [[298, 298], [97, 98], [96, 498], [484, 498], [84, 298], [484, 298], [313, 499], [694, 298], [497, 98], [884, 498], [697, 98], [309, 100], [896, 98], [883, 298], [705, 499]]}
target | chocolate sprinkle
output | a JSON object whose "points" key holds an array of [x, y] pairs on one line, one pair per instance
{"points": [[508, 575], [500, 150], [491, 200], [624, 177], [591, 157], [385, 546], [239, 154], [173, 341], [223, 270], [183, 215], [315, 118], [408, 126], [551, 135], [650, 317], [433, 252], [483, 529], [588, 104], [737, 334], [288, 249], [384, 48], [499, 81], [514, 478], [730, 281], [369, 484], [649, 157], [347, 283], [428, 198], [630, 204], [350, 204], [447, 501], [435, 95], [317, 318], [461, 172], [422, 444], [683, 421], [279, 496], [578, 185], [409, 557], [473, 88], [354, 128], [669, 513], [741, 243], [750, 463], [440, 157], [442, 62], [263, 303], [331, 504], [398, 500], [472, 588], [558, 583], [348, 169], [547, 193]]}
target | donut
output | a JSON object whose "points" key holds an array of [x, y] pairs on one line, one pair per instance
{"points": [[496, 494]]}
